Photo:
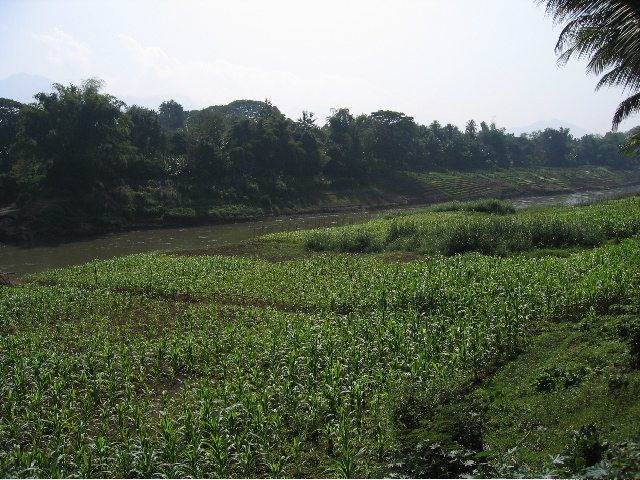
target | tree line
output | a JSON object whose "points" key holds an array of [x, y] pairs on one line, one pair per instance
{"points": [[79, 142]]}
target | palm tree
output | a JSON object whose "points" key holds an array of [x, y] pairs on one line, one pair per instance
{"points": [[607, 33]]}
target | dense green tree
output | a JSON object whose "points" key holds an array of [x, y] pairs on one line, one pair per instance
{"points": [[240, 141], [74, 138], [431, 147], [206, 157], [344, 145], [446, 147], [607, 33], [394, 136], [244, 109], [556, 147], [609, 151], [277, 150], [496, 151], [9, 112], [309, 136], [148, 137], [146, 131], [471, 128], [172, 115], [524, 151], [272, 146], [78, 140], [586, 150]]}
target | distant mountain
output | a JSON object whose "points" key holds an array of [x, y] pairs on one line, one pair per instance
{"points": [[556, 124], [21, 87], [153, 101]]}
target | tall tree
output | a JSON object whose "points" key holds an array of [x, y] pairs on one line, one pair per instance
{"points": [[9, 111], [556, 146], [607, 32], [344, 145], [172, 115], [74, 138], [309, 136], [394, 136], [495, 141], [148, 137], [205, 154], [471, 128], [146, 130]]}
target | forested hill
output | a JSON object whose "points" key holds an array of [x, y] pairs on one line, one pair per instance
{"points": [[78, 160]]}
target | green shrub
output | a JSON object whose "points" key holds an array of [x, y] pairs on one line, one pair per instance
{"points": [[181, 214], [584, 448], [228, 212], [444, 446], [489, 205], [559, 376]]}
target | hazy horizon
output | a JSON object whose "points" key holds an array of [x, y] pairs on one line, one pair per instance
{"points": [[449, 61]]}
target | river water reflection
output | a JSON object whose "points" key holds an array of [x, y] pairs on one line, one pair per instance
{"points": [[24, 260]]}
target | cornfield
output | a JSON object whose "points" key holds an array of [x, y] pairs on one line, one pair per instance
{"points": [[156, 365]]}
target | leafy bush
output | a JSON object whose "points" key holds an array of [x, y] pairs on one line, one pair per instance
{"points": [[457, 227], [585, 448], [559, 376], [620, 461], [181, 214], [444, 446], [227, 212], [488, 205]]}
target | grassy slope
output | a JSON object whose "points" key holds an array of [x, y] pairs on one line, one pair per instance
{"points": [[573, 378], [434, 187]]}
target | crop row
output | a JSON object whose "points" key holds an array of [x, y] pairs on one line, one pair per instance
{"points": [[133, 368], [343, 283]]}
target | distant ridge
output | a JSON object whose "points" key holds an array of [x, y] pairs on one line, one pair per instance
{"points": [[21, 87], [153, 101], [576, 130]]}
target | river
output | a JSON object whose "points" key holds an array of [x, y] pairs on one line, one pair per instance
{"points": [[20, 261]]}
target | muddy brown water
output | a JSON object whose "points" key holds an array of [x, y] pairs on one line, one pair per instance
{"points": [[20, 261]]}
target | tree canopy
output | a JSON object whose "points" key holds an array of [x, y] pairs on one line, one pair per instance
{"points": [[607, 34], [80, 142], [74, 138]]}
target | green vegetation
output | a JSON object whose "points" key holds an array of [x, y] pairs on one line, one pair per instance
{"points": [[466, 227], [605, 32], [334, 364], [77, 162]]}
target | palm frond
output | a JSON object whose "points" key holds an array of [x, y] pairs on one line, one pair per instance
{"points": [[607, 34], [626, 108], [632, 147]]}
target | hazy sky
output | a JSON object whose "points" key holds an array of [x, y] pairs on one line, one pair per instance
{"points": [[445, 60]]}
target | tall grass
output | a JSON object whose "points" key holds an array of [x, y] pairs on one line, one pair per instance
{"points": [[458, 227]]}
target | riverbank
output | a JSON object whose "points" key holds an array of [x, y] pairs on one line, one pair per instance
{"points": [[60, 219]]}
